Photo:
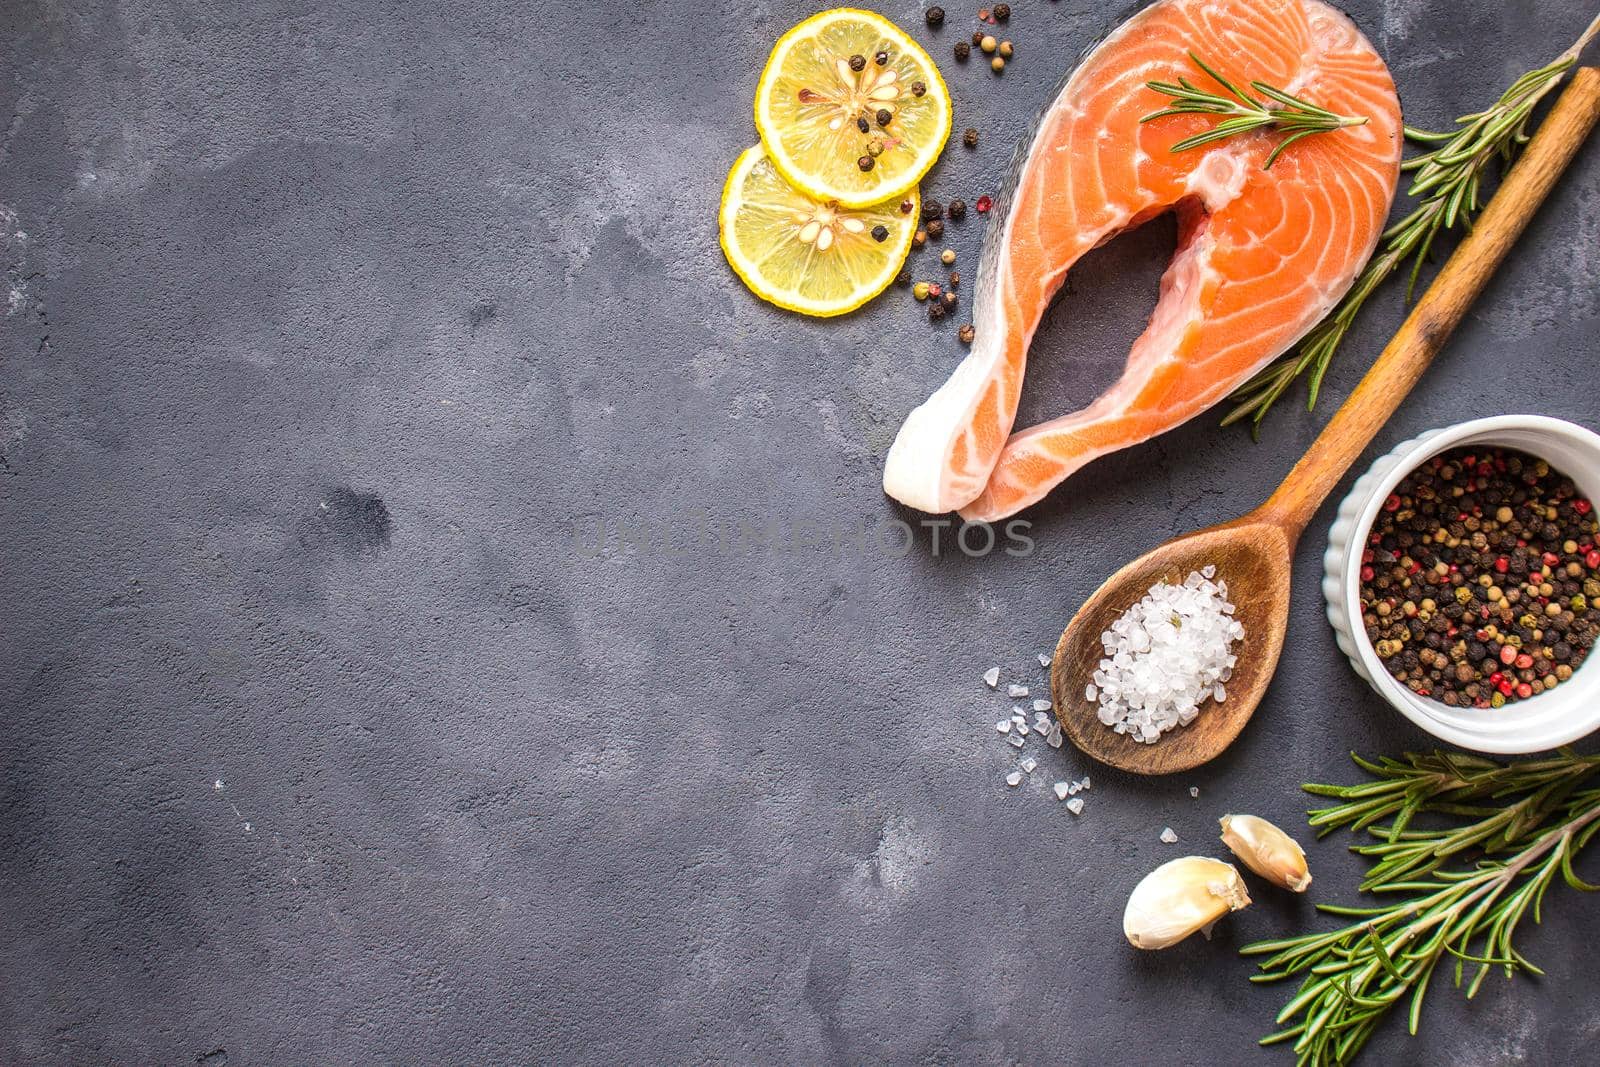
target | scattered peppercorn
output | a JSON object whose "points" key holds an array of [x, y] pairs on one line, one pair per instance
{"points": [[988, 43], [880, 232], [936, 310], [857, 63], [983, 14], [966, 333], [948, 256], [919, 238], [865, 162], [881, 58], [970, 138], [903, 278], [918, 89], [932, 209], [997, 64], [963, 51], [906, 206], [1492, 535], [884, 116], [955, 279], [950, 299], [934, 17], [875, 147], [983, 205], [957, 209], [861, 123], [920, 290], [1005, 49], [935, 229], [1002, 12], [977, 38]]}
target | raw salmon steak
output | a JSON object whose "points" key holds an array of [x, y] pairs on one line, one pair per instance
{"points": [[1262, 254]]}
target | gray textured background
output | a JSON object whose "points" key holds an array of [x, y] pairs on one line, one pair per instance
{"points": [[325, 321]]}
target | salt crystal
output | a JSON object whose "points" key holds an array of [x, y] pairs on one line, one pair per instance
{"points": [[1013, 779], [1022, 728], [1053, 738], [1061, 790], [1015, 691], [1165, 656], [1075, 805], [1194, 790], [1004, 726], [1044, 660], [1085, 782], [1168, 836], [1041, 705], [1016, 740], [991, 677], [1028, 765]]}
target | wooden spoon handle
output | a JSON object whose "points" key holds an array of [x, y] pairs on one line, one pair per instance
{"points": [[1441, 308]]}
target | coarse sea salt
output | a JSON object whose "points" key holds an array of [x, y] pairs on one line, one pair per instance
{"points": [[1168, 836], [991, 677], [1028, 765], [1165, 656], [1041, 705], [1044, 660], [1014, 779], [1075, 805], [1015, 691], [1061, 790]]}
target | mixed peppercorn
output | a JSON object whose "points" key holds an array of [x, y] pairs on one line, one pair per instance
{"points": [[1480, 578], [941, 297]]}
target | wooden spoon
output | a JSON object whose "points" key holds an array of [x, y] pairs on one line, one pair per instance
{"points": [[1254, 553]]}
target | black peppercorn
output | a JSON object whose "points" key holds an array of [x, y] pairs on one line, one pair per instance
{"points": [[857, 63], [862, 124], [957, 209], [935, 229], [884, 116], [936, 309], [881, 58], [963, 51], [970, 138], [918, 89], [865, 163], [977, 38], [966, 333], [931, 209], [1002, 12], [949, 298], [955, 279], [880, 233], [934, 17]]}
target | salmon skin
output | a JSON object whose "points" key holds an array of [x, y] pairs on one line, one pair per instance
{"points": [[1262, 254]]}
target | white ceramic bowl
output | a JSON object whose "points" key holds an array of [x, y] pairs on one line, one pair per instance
{"points": [[1557, 717]]}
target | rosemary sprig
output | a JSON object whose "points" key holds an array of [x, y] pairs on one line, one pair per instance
{"points": [[1243, 113], [1448, 183], [1501, 834]]}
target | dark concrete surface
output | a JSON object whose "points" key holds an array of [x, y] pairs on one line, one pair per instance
{"points": [[325, 735]]}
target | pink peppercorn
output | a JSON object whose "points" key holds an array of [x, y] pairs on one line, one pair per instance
{"points": [[984, 204], [1508, 655]]}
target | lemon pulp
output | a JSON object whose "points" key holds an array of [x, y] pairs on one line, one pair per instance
{"points": [[812, 105], [805, 254]]}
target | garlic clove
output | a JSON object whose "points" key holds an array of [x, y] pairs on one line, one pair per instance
{"points": [[1267, 850], [1180, 897]]}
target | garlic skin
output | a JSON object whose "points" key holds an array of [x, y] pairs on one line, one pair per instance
{"points": [[1267, 850], [1180, 897]]}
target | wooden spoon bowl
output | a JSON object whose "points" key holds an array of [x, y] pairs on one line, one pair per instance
{"points": [[1253, 554], [1253, 557]]}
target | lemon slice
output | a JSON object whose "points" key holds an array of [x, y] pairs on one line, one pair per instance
{"points": [[811, 106], [807, 255]]}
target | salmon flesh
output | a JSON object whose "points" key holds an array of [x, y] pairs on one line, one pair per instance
{"points": [[1262, 254]]}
